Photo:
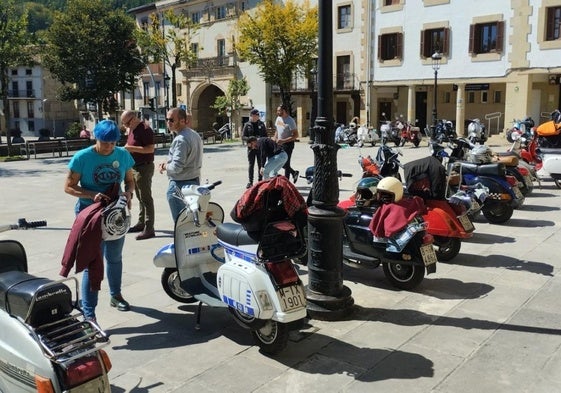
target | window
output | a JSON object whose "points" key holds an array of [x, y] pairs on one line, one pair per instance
{"points": [[15, 89], [146, 92], [433, 40], [196, 17], [14, 71], [344, 17], [178, 89], [30, 110], [28, 71], [15, 109], [195, 48], [344, 77], [31, 125], [220, 12], [484, 97], [497, 97], [470, 97], [390, 46], [447, 97], [486, 38], [553, 28], [221, 51], [29, 89], [391, 2]]}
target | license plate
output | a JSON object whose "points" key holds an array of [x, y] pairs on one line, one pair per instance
{"points": [[518, 193], [428, 254], [466, 223], [291, 298], [475, 206]]}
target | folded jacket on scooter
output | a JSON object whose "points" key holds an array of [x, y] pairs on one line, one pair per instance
{"points": [[391, 218]]}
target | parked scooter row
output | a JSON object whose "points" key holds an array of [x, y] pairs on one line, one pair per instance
{"points": [[46, 343]]}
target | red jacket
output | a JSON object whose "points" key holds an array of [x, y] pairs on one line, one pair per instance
{"points": [[391, 218], [83, 246]]}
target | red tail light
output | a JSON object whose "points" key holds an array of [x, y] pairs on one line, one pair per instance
{"points": [[428, 239], [82, 370], [283, 272], [523, 171], [512, 181]]}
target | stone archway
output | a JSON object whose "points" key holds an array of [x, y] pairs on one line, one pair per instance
{"points": [[203, 113]]}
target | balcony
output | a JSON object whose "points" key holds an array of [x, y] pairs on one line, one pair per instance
{"points": [[211, 67], [343, 83], [28, 93]]}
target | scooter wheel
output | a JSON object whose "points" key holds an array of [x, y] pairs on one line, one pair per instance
{"points": [[499, 213], [172, 286], [246, 321], [404, 276], [446, 248], [272, 337]]}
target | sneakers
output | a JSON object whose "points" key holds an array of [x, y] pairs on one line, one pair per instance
{"points": [[120, 303], [295, 176], [248, 185]]}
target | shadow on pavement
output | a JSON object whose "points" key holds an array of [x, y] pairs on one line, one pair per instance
{"points": [[503, 261]]}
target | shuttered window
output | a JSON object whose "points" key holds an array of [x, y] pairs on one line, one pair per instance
{"points": [[486, 37]]}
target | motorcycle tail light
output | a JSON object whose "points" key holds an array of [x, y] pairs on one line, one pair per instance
{"points": [[82, 370], [428, 238], [43, 385], [106, 360], [524, 171], [512, 181], [282, 272]]}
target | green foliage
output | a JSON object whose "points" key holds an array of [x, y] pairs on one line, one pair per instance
{"points": [[14, 50], [73, 130], [171, 45], [90, 49], [236, 89], [280, 39]]}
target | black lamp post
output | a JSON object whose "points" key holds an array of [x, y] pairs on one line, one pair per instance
{"points": [[328, 299], [313, 114], [436, 57]]}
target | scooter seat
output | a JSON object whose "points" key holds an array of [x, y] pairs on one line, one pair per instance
{"points": [[495, 169], [549, 150], [35, 300], [234, 234]]}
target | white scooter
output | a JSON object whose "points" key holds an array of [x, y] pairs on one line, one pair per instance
{"points": [[46, 344], [367, 135], [222, 265]]}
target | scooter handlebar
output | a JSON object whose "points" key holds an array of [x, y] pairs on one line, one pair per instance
{"points": [[216, 183]]}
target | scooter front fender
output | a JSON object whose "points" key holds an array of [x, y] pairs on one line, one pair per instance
{"points": [[165, 256]]}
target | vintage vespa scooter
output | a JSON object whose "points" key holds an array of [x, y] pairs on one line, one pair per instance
{"points": [[223, 265], [46, 344]]}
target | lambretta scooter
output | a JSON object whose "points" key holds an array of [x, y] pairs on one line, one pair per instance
{"points": [[46, 344], [223, 265]]}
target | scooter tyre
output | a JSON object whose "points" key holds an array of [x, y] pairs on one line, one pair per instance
{"points": [[272, 338], [499, 213], [172, 286], [246, 321], [404, 276], [446, 248]]}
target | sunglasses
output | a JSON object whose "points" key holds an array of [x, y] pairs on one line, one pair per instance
{"points": [[170, 120]]}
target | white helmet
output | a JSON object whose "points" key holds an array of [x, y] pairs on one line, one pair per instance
{"points": [[389, 190], [115, 219]]}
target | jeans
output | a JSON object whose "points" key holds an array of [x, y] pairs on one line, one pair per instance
{"points": [[274, 165], [113, 255], [175, 204]]}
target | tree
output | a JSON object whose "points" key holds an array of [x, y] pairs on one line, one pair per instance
{"points": [[14, 51], [171, 46], [236, 89], [280, 39], [91, 50]]}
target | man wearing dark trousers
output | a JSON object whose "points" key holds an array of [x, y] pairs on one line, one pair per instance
{"points": [[254, 127], [140, 143]]}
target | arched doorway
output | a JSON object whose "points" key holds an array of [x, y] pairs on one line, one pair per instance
{"points": [[203, 113]]}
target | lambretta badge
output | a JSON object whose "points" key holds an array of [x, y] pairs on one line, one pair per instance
{"points": [[49, 294], [196, 234]]}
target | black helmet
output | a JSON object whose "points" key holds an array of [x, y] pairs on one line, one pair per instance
{"points": [[366, 190]]}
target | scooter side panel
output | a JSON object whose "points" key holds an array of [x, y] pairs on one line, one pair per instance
{"points": [[552, 164], [248, 288]]}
